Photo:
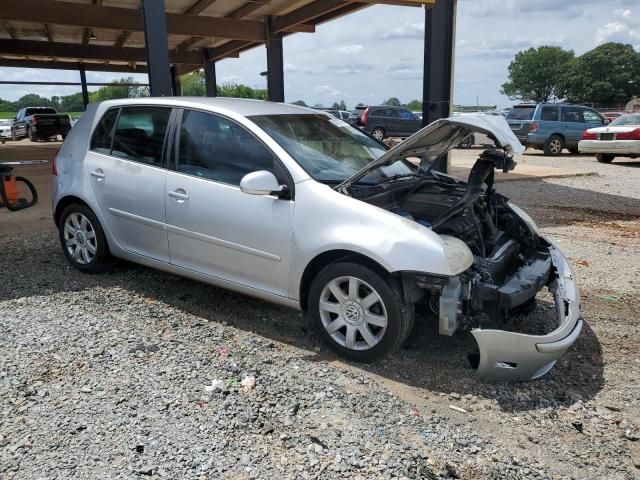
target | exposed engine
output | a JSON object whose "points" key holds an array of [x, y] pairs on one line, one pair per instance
{"points": [[511, 262]]}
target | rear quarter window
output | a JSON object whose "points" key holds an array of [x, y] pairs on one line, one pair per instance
{"points": [[522, 113], [103, 134]]}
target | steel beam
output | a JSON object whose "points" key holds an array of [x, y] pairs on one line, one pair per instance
{"points": [[87, 52], [157, 45], [439, 44], [209, 66], [61, 65], [275, 64], [83, 84]]}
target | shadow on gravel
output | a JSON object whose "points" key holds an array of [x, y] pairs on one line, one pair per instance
{"points": [[434, 364]]}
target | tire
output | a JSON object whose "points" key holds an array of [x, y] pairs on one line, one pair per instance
{"points": [[96, 252], [605, 157], [356, 338], [14, 137], [553, 146], [378, 133], [32, 136]]}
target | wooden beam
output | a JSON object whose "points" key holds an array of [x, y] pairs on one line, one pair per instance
{"points": [[86, 34], [56, 12], [122, 39], [58, 65], [199, 6], [47, 32], [88, 52], [11, 31], [307, 14], [228, 49]]}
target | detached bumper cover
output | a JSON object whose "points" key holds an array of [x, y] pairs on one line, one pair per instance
{"points": [[516, 356]]}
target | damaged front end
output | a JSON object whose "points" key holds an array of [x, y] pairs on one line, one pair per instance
{"points": [[512, 263]]}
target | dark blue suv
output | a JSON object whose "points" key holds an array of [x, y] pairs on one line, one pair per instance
{"points": [[552, 127]]}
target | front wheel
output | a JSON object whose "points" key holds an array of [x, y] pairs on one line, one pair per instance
{"points": [[378, 133], [359, 313], [82, 239], [14, 137], [605, 157], [553, 146]]}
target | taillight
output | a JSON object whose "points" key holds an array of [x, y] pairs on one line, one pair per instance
{"points": [[633, 135], [54, 167], [587, 135], [365, 114], [534, 127]]}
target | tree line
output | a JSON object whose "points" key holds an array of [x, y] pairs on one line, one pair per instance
{"points": [[605, 76]]}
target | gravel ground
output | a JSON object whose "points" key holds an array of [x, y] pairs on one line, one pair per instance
{"points": [[138, 373]]}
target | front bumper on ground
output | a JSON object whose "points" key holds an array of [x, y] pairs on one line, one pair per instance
{"points": [[612, 147], [516, 356]]}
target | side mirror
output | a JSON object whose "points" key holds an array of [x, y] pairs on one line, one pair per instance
{"points": [[261, 182]]}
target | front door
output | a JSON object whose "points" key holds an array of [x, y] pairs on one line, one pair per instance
{"points": [[572, 125], [127, 174], [213, 227]]}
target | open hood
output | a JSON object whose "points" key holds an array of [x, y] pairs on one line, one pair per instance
{"points": [[437, 138]]}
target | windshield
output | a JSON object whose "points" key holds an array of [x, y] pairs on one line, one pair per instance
{"points": [[329, 149], [521, 113], [633, 119]]}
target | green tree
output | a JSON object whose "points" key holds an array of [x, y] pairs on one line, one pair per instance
{"points": [[339, 105], [393, 102], [31, 100], [241, 91], [535, 74], [300, 103], [193, 84], [415, 105], [609, 74], [71, 103], [119, 91]]}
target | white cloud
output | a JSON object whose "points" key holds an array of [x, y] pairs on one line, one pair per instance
{"points": [[517, 8], [291, 68], [625, 29], [327, 91], [350, 49], [406, 30]]}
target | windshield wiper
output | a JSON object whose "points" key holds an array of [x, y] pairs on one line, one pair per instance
{"points": [[398, 177]]}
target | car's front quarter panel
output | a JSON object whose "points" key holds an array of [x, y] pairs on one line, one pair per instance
{"points": [[325, 220]]}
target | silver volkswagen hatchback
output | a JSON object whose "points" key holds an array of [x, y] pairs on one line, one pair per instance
{"points": [[300, 208]]}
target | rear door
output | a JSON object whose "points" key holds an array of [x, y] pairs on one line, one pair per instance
{"points": [[573, 125], [408, 122], [126, 170], [213, 227]]}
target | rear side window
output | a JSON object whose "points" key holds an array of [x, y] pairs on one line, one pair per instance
{"points": [[139, 134], [549, 113], [405, 114], [572, 114], [522, 113], [215, 148], [103, 134]]}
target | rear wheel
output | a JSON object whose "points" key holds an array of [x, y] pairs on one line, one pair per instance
{"points": [[32, 135], [605, 157], [359, 313], [554, 145], [378, 133], [82, 239]]}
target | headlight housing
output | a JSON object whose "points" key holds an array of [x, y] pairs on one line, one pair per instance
{"points": [[457, 253], [524, 216]]}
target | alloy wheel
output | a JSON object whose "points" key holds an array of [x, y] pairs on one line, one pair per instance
{"points": [[80, 238], [353, 313], [555, 146], [377, 134]]}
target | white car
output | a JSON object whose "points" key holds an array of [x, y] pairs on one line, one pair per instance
{"points": [[300, 208], [621, 138], [5, 129]]}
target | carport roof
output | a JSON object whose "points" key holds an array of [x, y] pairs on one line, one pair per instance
{"points": [[108, 35]]}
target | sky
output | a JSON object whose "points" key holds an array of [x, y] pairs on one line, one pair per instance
{"points": [[377, 53]]}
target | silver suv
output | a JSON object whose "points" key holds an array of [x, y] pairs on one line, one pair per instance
{"points": [[300, 208]]}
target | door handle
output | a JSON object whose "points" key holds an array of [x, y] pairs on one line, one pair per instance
{"points": [[99, 174], [178, 195]]}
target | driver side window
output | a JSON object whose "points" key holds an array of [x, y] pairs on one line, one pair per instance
{"points": [[218, 149]]}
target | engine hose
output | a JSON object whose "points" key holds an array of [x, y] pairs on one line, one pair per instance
{"points": [[22, 203]]}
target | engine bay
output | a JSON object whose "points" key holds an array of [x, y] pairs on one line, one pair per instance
{"points": [[511, 261]]}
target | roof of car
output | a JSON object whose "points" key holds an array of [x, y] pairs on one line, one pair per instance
{"points": [[241, 106]]}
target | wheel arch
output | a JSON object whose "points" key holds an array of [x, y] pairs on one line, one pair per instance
{"points": [[64, 203], [332, 256]]}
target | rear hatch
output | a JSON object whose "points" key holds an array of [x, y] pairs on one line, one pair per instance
{"points": [[356, 115], [520, 119]]}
